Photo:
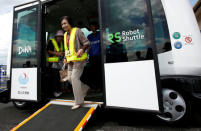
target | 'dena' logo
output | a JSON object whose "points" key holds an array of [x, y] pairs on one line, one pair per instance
{"points": [[23, 79]]}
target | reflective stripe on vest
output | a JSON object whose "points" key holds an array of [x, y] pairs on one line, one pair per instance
{"points": [[52, 59], [55, 58], [70, 53]]}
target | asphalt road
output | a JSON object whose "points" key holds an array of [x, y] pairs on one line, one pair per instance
{"points": [[10, 116], [103, 120], [119, 120]]}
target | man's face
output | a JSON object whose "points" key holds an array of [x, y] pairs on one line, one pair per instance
{"points": [[93, 28], [59, 38]]}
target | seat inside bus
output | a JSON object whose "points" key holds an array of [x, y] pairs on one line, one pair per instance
{"points": [[82, 13]]}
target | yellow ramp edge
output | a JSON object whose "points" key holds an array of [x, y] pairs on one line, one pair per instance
{"points": [[26, 120], [85, 119]]}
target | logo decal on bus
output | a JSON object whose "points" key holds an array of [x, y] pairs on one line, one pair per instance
{"points": [[24, 50], [124, 36], [178, 45], [188, 39], [23, 79], [176, 35]]}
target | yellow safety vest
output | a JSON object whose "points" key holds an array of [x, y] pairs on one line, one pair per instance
{"points": [[71, 55], [55, 58]]}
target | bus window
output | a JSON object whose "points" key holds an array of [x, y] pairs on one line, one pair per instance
{"points": [[24, 42], [126, 34], [162, 37]]}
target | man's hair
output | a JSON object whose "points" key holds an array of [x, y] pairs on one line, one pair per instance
{"points": [[93, 23]]}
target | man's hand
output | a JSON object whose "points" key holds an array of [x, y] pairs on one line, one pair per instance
{"points": [[60, 54], [65, 61], [80, 53]]}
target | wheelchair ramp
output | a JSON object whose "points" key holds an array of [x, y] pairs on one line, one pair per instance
{"points": [[57, 115]]}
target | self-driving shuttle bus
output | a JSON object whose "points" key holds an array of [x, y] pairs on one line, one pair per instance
{"points": [[150, 50]]}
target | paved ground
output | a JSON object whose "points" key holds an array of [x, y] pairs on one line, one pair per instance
{"points": [[103, 120], [117, 120], [11, 116]]}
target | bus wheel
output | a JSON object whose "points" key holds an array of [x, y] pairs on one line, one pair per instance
{"points": [[20, 104], [176, 107]]}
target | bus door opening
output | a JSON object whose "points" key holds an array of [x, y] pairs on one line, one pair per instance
{"points": [[85, 16]]}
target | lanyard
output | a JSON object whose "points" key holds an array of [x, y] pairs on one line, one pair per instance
{"points": [[68, 40], [60, 47]]}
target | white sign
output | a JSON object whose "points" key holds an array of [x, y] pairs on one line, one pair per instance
{"points": [[131, 85], [24, 84]]}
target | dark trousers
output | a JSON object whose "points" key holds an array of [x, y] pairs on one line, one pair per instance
{"points": [[52, 81], [95, 72]]}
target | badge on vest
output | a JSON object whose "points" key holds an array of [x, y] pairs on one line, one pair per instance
{"points": [[68, 53]]}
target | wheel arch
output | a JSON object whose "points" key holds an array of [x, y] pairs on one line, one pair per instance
{"points": [[186, 85]]}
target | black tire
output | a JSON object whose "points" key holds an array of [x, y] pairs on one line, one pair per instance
{"points": [[20, 104], [176, 106]]}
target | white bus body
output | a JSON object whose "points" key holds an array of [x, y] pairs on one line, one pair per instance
{"points": [[165, 32]]}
